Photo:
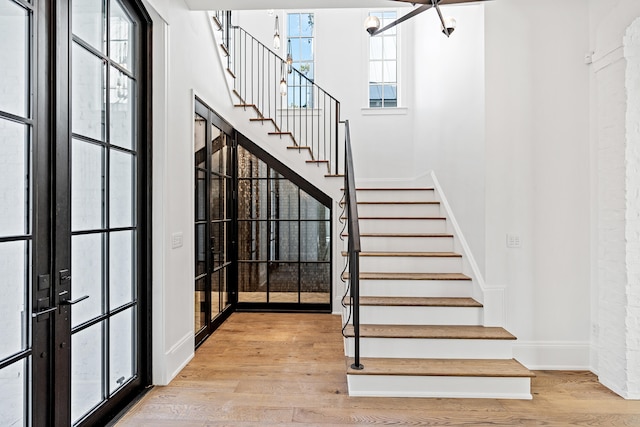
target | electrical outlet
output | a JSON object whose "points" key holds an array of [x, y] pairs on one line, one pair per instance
{"points": [[513, 241], [177, 240]]}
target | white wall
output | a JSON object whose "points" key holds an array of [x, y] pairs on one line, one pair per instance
{"points": [[614, 145], [537, 175]]}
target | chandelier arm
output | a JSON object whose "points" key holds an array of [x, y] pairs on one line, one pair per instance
{"points": [[400, 20]]}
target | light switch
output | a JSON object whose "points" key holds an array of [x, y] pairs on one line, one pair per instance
{"points": [[177, 240], [513, 241]]}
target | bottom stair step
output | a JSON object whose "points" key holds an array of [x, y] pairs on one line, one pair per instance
{"points": [[440, 378], [440, 367]]}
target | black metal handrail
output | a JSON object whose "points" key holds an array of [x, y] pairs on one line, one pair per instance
{"points": [[306, 113], [353, 242]]}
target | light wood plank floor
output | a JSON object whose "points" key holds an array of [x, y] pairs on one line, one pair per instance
{"points": [[289, 369]]}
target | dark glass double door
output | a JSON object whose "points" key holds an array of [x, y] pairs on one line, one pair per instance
{"points": [[73, 217]]}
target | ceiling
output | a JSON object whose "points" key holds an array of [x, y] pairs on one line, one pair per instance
{"points": [[289, 4]]}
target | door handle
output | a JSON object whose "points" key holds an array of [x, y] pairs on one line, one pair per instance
{"points": [[43, 312], [75, 301], [71, 302]]}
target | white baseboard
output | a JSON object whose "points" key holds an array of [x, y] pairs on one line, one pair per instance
{"points": [[553, 355], [178, 356]]}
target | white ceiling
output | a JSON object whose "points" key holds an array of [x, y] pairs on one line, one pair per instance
{"points": [[289, 4]]}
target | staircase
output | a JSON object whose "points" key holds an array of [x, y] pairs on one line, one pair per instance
{"points": [[421, 330], [299, 114]]}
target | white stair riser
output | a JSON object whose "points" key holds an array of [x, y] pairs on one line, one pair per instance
{"points": [[403, 226], [407, 244], [396, 196], [397, 210], [390, 315], [411, 264], [443, 387], [416, 288], [432, 348]]}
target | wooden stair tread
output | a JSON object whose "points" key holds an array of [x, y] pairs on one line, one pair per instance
{"points": [[402, 235], [403, 218], [409, 254], [431, 332], [415, 302], [409, 276], [441, 367], [317, 161], [333, 175], [399, 203], [394, 189], [231, 73]]}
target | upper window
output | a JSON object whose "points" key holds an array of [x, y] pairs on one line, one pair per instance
{"points": [[300, 33], [383, 64]]}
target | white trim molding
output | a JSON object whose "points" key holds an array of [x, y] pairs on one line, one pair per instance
{"points": [[553, 355]]}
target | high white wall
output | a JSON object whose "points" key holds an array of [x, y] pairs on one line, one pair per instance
{"points": [[537, 175]]}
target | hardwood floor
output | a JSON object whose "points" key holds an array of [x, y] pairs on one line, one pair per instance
{"points": [[289, 369]]}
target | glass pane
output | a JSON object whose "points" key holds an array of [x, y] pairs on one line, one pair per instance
{"points": [[284, 199], [375, 72], [310, 208], [87, 272], [13, 394], [122, 104], [199, 320], [215, 294], [306, 51], [216, 199], [252, 240], [315, 241], [315, 283], [306, 24], [390, 72], [88, 90], [14, 59], [121, 189], [249, 166], [375, 47], [86, 370], [389, 47], [121, 268], [201, 194], [86, 186], [13, 303], [219, 151], [252, 282], [252, 199], [283, 282], [121, 33], [200, 141], [284, 240], [201, 239], [217, 243], [121, 348], [13, 185], [293, 24], [224, 289], [375, 95], [386, 19], [88, 22]]}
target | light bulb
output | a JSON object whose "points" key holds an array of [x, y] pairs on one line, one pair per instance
{"points": [[371, 24], [283, 87], [450, 25], [276, 41]]}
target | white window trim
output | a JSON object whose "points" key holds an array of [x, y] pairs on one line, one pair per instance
{"points": [[285, 31]]}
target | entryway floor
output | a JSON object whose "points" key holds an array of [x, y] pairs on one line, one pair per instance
{"points": [[289, 369]]}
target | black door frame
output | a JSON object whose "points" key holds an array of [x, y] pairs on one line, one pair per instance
{"points": [[51, 198]]}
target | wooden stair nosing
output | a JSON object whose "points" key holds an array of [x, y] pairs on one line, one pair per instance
{"points": [[217, 22], [334, 175], [399, 203], [415, 302], [300, 147], [403, 218], [393, 189], [408, 254], [231, 73], [410, 276], [507, 368], [224, 48], [317, 161], [434, 235], [452, 332]]}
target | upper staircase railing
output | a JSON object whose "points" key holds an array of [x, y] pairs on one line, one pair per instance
{"points": [[280, 94]]}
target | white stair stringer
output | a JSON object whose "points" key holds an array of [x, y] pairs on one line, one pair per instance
{"points": [[413, 253]]}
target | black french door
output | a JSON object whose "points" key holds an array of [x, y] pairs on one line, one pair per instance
{"points": [[214, 162], [74, 215]]}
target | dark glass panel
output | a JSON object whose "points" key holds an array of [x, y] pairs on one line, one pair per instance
{"points": [[201, 248], [252, 282], [284, 200], [252, 199], [283, 240], [315, 282], [249, 166], [252, 240], [310, 208], [283, 282], [315, 241]]}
